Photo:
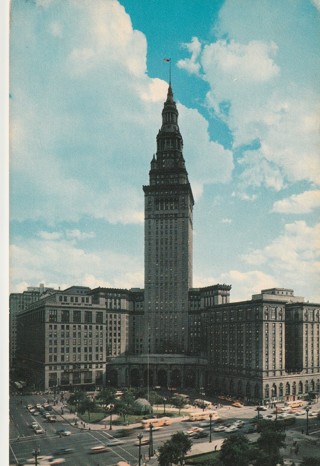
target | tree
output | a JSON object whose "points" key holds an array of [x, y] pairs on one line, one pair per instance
{"points": [[269, 444], [76, 398], [87, 405], [310, 461], [235, 451], [106, 397], [174, 450], [178, 402]]}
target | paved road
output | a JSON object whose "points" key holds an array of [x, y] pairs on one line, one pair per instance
{"points": [[23, 439]]}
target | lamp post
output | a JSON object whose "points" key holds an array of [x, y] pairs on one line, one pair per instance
{"points": [[210, 438], [140, 438], [307, 411], [150, 441], [164, 405], [36, 453], [110, 425]]}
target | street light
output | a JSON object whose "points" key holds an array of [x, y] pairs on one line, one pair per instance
{"points": [[210, 417], [140, 438], [307, 411], [110, 425], [164, 405], [150, 442], [36, 453]]}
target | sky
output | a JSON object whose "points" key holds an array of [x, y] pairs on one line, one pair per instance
{"points": [[87, 87]]}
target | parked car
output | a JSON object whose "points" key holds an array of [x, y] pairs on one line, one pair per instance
{"points": [[219, 429]]}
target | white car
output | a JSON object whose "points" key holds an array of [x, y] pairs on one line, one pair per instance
{"points": [[40, 458], [219, 429], [231, 429]]}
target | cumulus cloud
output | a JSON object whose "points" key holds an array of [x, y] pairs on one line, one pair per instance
{"points": [[295, 251], [82, 150], [257, 90], [192, 64], [316, 3], [303, 203], [72, 264], [244, 283]]}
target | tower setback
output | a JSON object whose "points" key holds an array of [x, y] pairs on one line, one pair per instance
{"points": [[168, 240]]}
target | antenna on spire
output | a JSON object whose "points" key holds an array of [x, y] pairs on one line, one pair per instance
{"points": [[168, 60]]}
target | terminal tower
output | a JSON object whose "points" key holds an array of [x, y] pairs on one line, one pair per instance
{"points": [[168, 240]]}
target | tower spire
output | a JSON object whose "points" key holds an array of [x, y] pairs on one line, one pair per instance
{"points": [[168, 60]]}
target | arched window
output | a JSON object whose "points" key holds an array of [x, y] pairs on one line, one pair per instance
{"points": [[294, 388], [267, 391]]}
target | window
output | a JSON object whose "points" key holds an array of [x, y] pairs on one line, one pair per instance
{"points": [[52, 315], [88, 317], [99, 318], [65, 316], [77, 316]]}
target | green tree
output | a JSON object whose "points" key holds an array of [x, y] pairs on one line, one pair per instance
{"points": [[174, 450], [310, 461], [106, 397], [87, 405], [269, 444], [235, 451], [76, 398], [178, 402]]}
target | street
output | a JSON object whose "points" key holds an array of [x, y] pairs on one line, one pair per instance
{"points": [[23, 439]]}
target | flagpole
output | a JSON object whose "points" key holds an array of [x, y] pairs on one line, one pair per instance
{"points": [[168, 60]]}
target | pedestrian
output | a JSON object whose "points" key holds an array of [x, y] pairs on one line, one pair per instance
{"points": [[215, 448], [302, 431]]}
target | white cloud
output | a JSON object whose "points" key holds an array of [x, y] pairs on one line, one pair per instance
{"points": [[77, 234], [84, 150], [55, 29], [226, 220], [303, 203], [46, 235], [264, 84], [316, 3], [190, 64], [251, 63], [295, 253], [244, 284], [73, 265]]}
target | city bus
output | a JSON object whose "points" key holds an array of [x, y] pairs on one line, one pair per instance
{"points": [[203, 416], [156, 422], [294, 404]]}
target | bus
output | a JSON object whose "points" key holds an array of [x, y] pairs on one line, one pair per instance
{"points": [[294, 404], [156, 422], [203, 416]]}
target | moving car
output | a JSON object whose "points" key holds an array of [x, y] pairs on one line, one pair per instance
{"points": [[63, 451], [63, 432], [144, 441], [202, 434], [261, 408], [99, 449]]}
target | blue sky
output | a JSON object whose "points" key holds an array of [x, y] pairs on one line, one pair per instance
{"points": [[87, 86]]}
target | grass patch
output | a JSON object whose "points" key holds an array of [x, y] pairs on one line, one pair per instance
{"points": [[94, 417]]}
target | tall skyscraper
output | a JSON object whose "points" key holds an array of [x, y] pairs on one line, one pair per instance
{"points": [[168, 240]]}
